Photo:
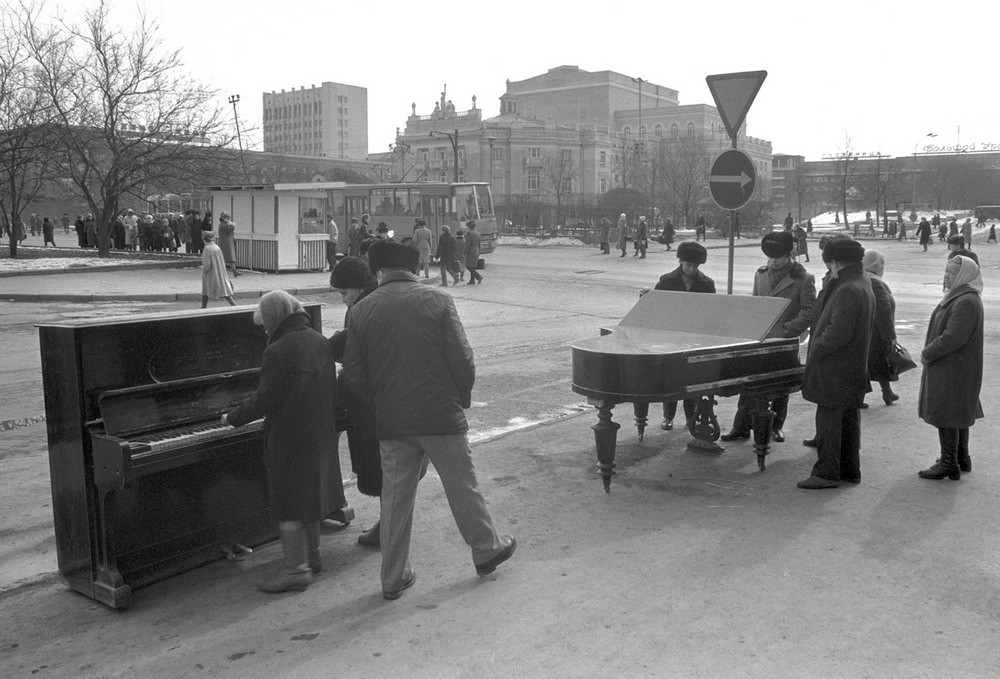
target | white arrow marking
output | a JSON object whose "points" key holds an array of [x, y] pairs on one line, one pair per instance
{"points": [[742, 179]]}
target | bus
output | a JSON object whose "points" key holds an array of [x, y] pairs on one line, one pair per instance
{"points": [[399, 205]]}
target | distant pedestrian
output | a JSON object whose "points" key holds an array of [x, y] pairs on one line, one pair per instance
{"points": [[789, 222], [700, 228], [446, 256], [332, 239], [472, 240], [81, 231], [118, 232], [195, 242], [227, 241], [924, 232], [967, 232], [604, 233], [422, 241], [667, 237], [641, 238], [801, 241], [993, 234], [623, 234], [460, 253], [952, 227], [65, 224], [47, 232], [214, 281], [953, 368], [34, 224], [90, 227]]}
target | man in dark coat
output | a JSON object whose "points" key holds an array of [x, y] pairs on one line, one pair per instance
{"points": [[924, 232], [685, 278], [836, 373], [407, 355], [785, 278], [296, 396], [472, 240], [446, 256]]}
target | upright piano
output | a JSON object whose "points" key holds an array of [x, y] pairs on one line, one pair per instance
{"points": [[146, 483], [677, 345]]}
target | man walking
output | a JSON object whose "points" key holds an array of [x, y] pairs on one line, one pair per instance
{"points": [[332, 237], [836, 373], [407, 354], [472, 239]]}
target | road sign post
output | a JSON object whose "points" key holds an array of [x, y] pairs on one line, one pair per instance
{"points": [[734, 94]]}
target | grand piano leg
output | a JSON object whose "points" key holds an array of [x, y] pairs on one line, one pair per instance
{"points": [[704, 428], [763, 427], [606, 438], [641, 417]]}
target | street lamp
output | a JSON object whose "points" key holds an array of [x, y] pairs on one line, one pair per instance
{"points": [[453, 138], [913, 197], [234, 99], [641, 136], [491, 141]]}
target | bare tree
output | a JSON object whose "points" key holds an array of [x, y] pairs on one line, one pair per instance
{"points": [[26, 149], [560, 173], [684, 176], [846, 178], [130, 121]]}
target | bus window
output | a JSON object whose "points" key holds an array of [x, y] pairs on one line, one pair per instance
{"points": [[465, 203], [356, 206], [444, 211], [485, 199], [335, 206], [427, 210], [381, 202], [410, 200]]}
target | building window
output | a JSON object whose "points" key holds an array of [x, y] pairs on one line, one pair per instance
{"points": [[658, 131], [461, 154], [627, 131], [497, 154], [690, 129], [674, 131], [534, 152], [603, 158], [642, 132], [604, 184], [534, 180], [567, 185], [567, 155]]}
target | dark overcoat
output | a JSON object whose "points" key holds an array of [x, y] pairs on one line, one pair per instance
{"points": [[836, 373], [296, 396], [953, 376], [674, 281], [883, 331], [924, 231], [446, 250], [366, 460]]}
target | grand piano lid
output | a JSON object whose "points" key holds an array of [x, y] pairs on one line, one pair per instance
{"points": [[662, 322]]}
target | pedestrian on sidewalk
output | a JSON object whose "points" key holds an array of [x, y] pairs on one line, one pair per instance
{"points": [[953, 368], [446, 256], [604, 234], [47, 232], [472, 239], [214, 281], [641, 239], [227, 241], [836, 371], [924, 232], [623, 234], [422, 241], [967, 232], [407, 354], [332, 238], [883, 327], [296, 395]]}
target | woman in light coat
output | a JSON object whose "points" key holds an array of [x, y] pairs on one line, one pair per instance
{"points": [[953, 368], [623, 234], [214, 281]]}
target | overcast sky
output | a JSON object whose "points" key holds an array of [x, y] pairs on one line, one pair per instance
{"points": [[884, 73]]}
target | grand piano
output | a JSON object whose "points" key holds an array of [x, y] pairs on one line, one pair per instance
{"points": [[146, 482], [676, 345]]}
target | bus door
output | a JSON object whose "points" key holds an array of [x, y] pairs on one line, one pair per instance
{"points": [[335, 208], [355, 206]]}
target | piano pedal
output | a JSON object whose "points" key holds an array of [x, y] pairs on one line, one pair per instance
{"points": [[237, 553]]}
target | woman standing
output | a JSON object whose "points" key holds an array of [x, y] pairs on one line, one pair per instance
{"points": [[623, 236], [801, 241], [227, 242], [641, 239], [296, 395], [883, 327], [214, 281], [953, 368], [422, 241]]}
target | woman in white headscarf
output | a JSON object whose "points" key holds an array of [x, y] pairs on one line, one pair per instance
{"points": [[623, 234], [883, 327], [953, 368]]}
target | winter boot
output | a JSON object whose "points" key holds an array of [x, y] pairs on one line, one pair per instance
{"points": [[946, 466], [294, 573], [312, 547]]}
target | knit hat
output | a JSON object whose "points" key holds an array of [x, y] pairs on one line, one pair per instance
{"points": [[351, 272], [957, 239], [387, 254], [777, 244], [873, 262], [689, 251], [274, 307], [843, 251]]}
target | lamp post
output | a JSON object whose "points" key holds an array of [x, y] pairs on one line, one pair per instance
{"points": [[453, 138], [234, 99], [490, 141], [913, 197]]}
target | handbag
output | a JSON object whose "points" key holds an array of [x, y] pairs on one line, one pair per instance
{"points": [[899, 359]]}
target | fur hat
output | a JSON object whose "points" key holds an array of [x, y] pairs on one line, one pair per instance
{"points": [[843, 251], [274, 307], [777, 244], [351, 272], [387, 254], [827, 237], [690, 251]]}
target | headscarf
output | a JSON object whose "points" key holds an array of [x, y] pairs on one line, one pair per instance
{"points": [[274, 307], [968, 276], [873, 262]]}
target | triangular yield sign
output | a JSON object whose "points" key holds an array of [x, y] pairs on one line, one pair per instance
{"points": [[733, 94]]}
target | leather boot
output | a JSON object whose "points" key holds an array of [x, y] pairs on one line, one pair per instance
{"points": [[735, 435], [312, 547], [889, 396], [294, 573], [946, 466], [370, 537]]}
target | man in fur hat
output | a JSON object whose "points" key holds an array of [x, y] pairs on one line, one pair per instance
{"points": [[407, 355], [685, 278], [780, 277], [836, 374]]}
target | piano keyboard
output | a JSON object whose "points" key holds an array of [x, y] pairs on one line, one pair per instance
{"points": [[176, 438]]}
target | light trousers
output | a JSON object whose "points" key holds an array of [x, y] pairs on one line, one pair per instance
{"points": [[402, 460]]}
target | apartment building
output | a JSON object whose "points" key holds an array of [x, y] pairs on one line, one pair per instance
{"points": [[329, 121]]}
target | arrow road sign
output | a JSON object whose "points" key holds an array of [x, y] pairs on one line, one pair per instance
{"points": [[732, 180]]}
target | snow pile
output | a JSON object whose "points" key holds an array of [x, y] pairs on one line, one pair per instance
{"points": [[56, 264], [538, 241]]}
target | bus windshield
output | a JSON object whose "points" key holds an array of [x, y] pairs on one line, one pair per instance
{"points": [[465, 203], [485, 201]]}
